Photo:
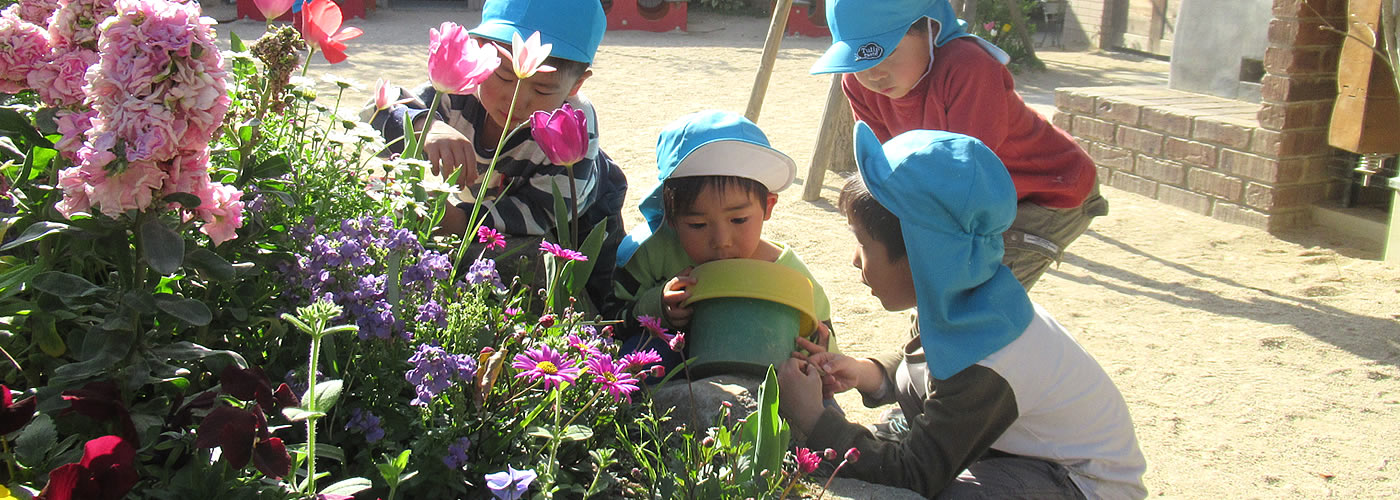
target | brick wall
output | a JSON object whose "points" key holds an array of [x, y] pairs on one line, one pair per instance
{"points": [[1260, 165]]}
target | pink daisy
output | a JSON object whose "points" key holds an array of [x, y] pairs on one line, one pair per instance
{"points": [[612, 377], [545, 363], [492, 238], [641, 359], [561, 252], [807, 460], [584, 348]]}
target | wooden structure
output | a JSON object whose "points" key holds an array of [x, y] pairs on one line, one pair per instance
{"points": [[646, 15]]}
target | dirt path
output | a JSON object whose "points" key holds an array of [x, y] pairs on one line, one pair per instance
{"points": [[1255, 366]]}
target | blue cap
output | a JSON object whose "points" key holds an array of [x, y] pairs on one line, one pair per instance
{"points": [[708, 143], [954, 199], [864, 32], [575, 27]]}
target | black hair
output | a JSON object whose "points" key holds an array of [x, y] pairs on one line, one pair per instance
{"points": [[861, 207], [568, 69], [678, 194], [920, 26]]}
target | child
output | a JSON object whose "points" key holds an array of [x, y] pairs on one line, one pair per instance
{"points": [[909, 65], [1001, 401], [720, 180], [468, 128]]}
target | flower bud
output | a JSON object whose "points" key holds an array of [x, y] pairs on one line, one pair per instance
{"points": [[547, 320], [608, 331], [727, 404], [707, 442], [829, 454], [658, 371], [487, 350], [852, 455]]}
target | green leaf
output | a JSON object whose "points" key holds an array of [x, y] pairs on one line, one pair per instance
{"points": [[273, 167], [766, 431], [236, 42], [348, 487], [410, 139], [561, 217], [13, 123], [401, 461], [35, 232], [210, 263], [34, 441], [190, 311], [164, 250], [188, 351], [330, 451], [327, 393], [299, 414], [540, 432], [140, 301], [389, 473], [46, 335], [245, 134], [186, 200], [8, 146], [592, 247], [576, 432], [64, 285]]}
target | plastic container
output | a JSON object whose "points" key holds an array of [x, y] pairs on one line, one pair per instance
{"points": [[748, 315]]}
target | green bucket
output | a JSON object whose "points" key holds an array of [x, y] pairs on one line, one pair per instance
{"points": [[740, 335]]}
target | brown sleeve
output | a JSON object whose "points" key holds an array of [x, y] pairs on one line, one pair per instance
{"points": [[888, 363], [962, 418]]}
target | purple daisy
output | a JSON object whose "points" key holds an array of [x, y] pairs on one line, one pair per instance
{"points": [[545, 363]]}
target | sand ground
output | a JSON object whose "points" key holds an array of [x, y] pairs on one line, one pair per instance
{"points": [[1255, 365]]}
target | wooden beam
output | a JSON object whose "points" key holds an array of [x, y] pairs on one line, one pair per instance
{"points": [[770, 54], [837, 124]]}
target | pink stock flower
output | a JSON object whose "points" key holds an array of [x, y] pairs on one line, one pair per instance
{"points": [[612, 377], [561, 252], [547, 364], [386, 95], [457, 64], [24, 48], [37, 12], [60, 82], [491, 237], [76, 23], [321, 26], [76, 183], [272, 9], [563, 134], [807, 461], [527, 56], [133, 188]]}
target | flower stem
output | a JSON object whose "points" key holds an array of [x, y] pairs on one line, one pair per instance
{"points": [[573, 209], [791, 483], [311, 407], [472, 222], [833, 476]]}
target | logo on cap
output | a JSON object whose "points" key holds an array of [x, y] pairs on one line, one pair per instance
{"points": [[869, 52]]}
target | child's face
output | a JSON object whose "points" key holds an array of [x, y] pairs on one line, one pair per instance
{"points": [[723, 224], [541, 92], [901, 70], [891, 281]]}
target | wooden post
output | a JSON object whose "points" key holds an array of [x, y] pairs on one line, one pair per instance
{"points": [[1392, 238], [834, 141], [770, 54], [1018, 23]]}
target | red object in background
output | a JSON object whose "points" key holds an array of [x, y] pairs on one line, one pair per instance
{"points": [[800, 20], [629, 15], [348, 8]]}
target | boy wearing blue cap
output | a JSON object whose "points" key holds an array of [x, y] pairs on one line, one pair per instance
{"points": [[1001, 401], [719, 183], [468, 128], [909, 65]]}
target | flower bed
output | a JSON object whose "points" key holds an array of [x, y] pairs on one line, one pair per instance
{"points": [[212, 286]]}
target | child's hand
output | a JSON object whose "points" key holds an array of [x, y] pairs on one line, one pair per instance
{"points": [[448, 150], [677, 291], [800, 394], [842, 373]]}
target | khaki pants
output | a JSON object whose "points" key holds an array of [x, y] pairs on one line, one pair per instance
{"points": [[1039, 235]]}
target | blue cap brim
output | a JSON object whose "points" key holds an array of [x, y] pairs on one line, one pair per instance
{"points": [[502, 32], [844, 56]]}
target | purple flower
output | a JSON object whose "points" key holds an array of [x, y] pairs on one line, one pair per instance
{"points": [[484, 271], [434, 370], [365, 423], [510, 484], [545, 363], [492, 238], [457, 453], [561, 252], [431, 312], [612, 377]]}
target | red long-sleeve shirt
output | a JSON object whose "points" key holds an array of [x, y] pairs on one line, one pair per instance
{"points": [[969, 92]]}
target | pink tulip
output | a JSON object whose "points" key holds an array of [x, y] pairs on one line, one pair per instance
{"points": [[563, 134], [527, 56], [457, 64], [272, 9], [321, 26], [386, 95]]}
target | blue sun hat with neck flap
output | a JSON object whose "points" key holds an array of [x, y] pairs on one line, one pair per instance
{"points": [[954, 199], [574, 27], [864, 32], [708, 143]]}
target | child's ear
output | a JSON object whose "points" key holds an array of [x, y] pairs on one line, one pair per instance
{"points": [[768, 208], [579, 83]]}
